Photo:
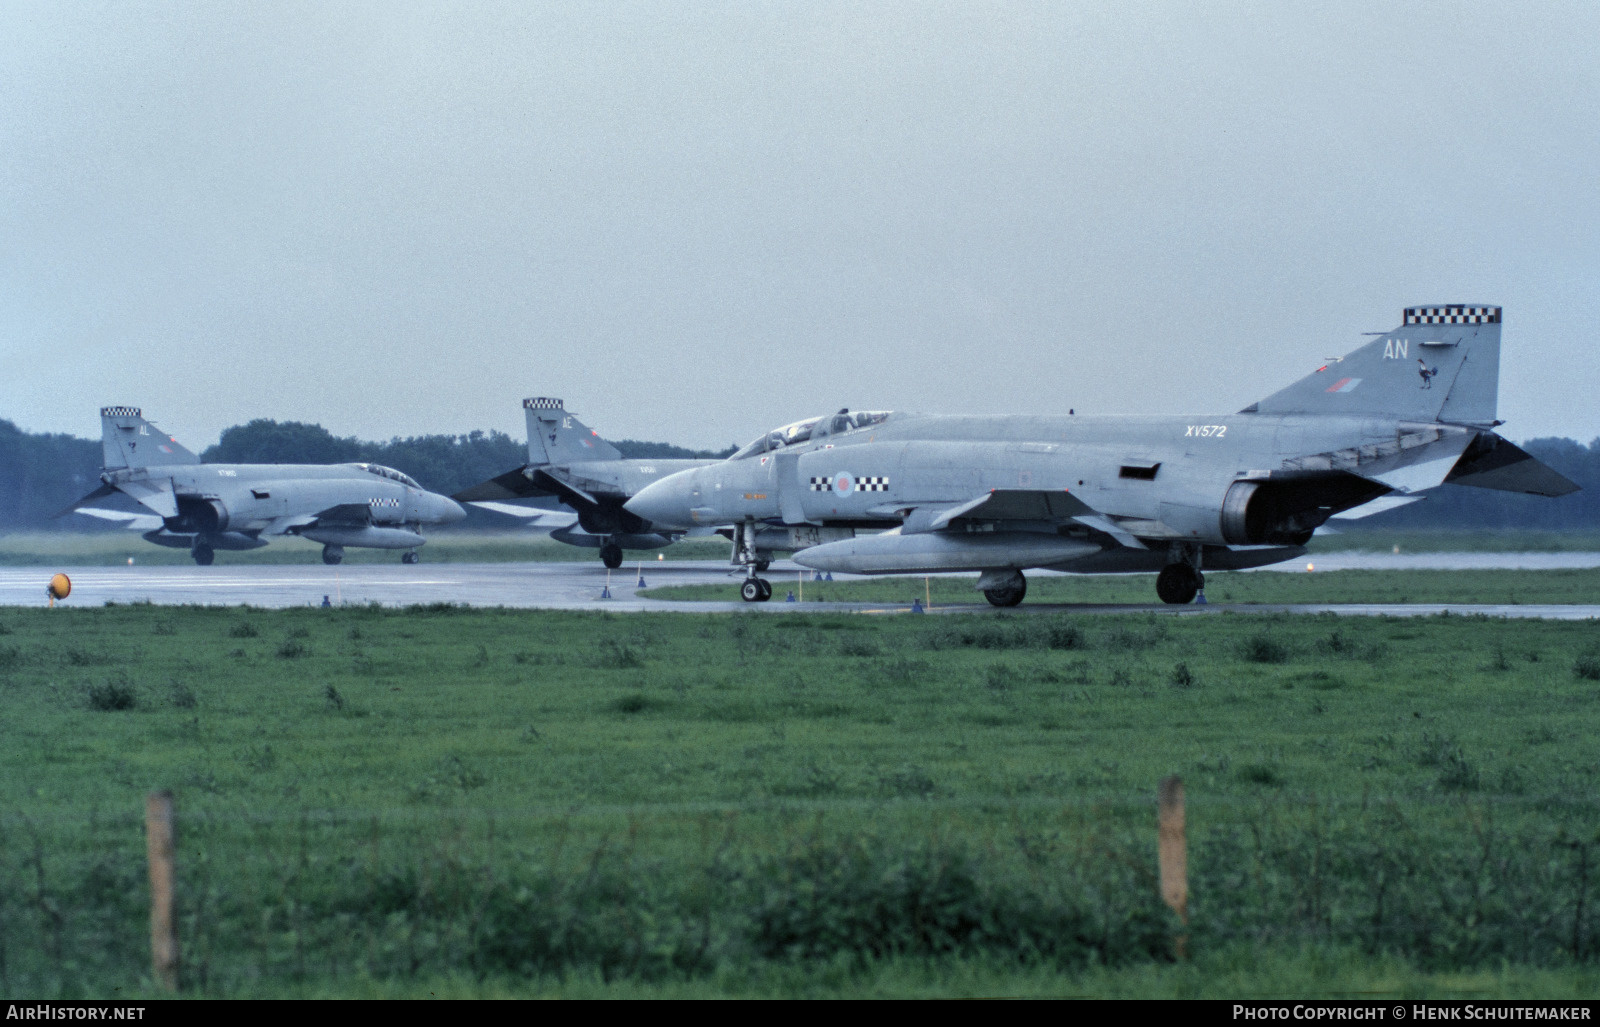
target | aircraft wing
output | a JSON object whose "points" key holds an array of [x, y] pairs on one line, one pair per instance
{"points": [[354, 514], [1056, 505], [285, 525]]}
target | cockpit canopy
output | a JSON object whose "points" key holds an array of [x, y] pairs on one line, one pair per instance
{"points": [[813, 427], [388, 472]]}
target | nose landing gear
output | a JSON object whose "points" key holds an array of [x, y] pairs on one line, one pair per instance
{"points": [[611, 555], [755, 589]]}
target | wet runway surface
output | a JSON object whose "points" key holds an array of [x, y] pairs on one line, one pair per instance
{"points": [[579, 585]]}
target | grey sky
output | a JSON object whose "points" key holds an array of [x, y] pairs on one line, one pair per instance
{"points": [[696, 221]]}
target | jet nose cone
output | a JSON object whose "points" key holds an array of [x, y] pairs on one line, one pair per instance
{"points": [[447, 510], [663, 503]]}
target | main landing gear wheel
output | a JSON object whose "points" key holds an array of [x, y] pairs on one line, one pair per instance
{"points": [[203, 555], [755, 590], [1009, 595], [332, 554], [409, 556], [611, 555], [1177, 583]]}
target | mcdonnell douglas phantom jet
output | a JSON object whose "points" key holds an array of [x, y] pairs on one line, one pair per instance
{"points": [[1410, 410], [206, 507], [571, 462]]}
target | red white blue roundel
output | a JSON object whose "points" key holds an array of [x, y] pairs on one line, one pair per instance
{"points": [[843, 483]]}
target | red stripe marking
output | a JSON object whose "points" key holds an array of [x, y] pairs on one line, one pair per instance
{"points": [[1336, 386]]}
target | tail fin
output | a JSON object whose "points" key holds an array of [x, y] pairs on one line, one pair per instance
{"points": [[128, 441], [556, 437], [1441, 364]]}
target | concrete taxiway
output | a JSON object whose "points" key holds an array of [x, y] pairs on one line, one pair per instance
{"points": [[578, 586]]}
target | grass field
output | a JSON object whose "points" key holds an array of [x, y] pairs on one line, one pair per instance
{"points": [[1510, 587], [105, 548], [492, 802]]}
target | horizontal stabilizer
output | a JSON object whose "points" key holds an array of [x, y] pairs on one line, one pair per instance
{"points": [[510, 485], [100, 493], [131, 521], [1493, 463], [534, 516], [1392, 501]]}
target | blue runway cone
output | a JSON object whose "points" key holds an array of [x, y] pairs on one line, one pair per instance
{"points": [[829, 577], [916, 606], [641, 580], [1200, 598], [605, 591], [325, 601], [790, 597]]}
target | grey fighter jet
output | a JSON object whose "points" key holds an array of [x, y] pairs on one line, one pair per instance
{"points": [[570, 461], [205, 507], [1175, 495]]}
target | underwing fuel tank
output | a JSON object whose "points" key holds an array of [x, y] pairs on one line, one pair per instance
{"points": [[930, 552], [371, 538]]}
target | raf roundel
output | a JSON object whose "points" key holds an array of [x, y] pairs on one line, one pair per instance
{"points": [[843, 484]]}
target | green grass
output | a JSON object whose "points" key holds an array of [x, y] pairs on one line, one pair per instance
{"points": [[1477, 587], [1486, 540], [492, 802], [104, 549]]}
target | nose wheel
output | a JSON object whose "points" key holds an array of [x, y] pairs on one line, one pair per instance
{"points": [[755, 589], [332, 554], [409, 556], [611, 555]]}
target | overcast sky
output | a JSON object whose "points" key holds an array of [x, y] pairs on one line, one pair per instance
{"points": [[694, 222]]}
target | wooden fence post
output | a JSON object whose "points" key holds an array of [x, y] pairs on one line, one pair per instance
{"points": [[158, 846], [1173, 851]]}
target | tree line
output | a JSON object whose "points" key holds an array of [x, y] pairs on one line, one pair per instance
{"points": [[42, 473]]}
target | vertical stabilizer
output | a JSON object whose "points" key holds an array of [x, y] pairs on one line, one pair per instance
{"points": [[129, 441], [556, 437], [1441, 364]]}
